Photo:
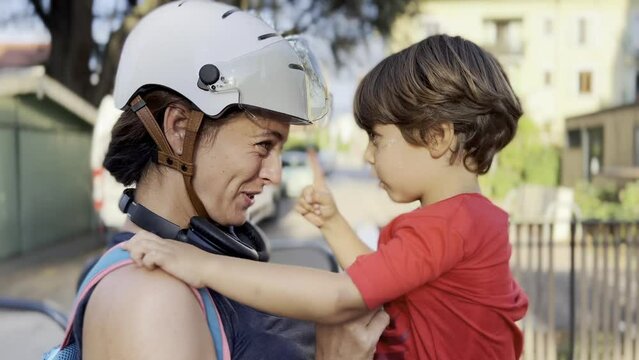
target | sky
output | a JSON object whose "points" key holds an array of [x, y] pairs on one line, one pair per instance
{"points": [[25, 28]]}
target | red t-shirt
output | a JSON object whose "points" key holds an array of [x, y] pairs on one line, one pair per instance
{"points": [[442, 274]]}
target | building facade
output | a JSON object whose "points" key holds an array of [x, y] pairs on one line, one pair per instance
{"points": [[564, 57], [602, 147], [45, 182]]}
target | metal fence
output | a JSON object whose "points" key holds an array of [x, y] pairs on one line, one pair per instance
{"points": [[583, 290]]}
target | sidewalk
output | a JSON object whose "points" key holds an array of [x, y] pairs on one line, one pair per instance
{"points": [[49, 274]]}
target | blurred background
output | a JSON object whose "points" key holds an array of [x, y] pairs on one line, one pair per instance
{"points": [[569, 180]]}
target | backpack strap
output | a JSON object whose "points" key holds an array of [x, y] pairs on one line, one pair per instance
{"points": [[215, 324], [116, 258]]}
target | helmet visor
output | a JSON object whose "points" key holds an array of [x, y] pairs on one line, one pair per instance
{"points": [[272, 78], [317, 95]]}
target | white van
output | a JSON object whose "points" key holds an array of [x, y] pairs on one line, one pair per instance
{"points": [[106, 191]]}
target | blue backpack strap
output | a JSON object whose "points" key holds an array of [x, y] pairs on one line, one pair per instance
{"points": [[215, 326]]}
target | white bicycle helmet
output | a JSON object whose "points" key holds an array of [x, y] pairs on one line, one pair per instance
{"points": [[216, 56]]}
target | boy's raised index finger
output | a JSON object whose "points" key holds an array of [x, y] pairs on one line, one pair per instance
{"points": [[318, 173]]}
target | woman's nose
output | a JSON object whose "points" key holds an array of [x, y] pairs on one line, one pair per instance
{"points": [[272, 168]]}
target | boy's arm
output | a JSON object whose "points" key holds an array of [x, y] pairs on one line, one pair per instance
{"points": [[345, 243], [317, 205], [290, 291], [296, 292]]}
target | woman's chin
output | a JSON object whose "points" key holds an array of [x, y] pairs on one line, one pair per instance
{"points": [[236, 220]]}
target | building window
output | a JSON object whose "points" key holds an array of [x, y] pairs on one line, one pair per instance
{"points": [[574, 138], [636, 142], [547, 78], [548, 26], [582, 31], [504, 36], [595, 151], [585, 82]]}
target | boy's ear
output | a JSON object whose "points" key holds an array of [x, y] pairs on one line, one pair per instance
{"points": [[175, 121], [443, 140]]}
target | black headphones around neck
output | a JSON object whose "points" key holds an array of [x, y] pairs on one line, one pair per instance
{"points": [[245, 241]]}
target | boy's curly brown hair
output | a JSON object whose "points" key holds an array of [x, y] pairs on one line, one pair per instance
{"points": [[439, 80]]}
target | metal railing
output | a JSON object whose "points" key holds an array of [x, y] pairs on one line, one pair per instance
{"points": [[582, 290]]}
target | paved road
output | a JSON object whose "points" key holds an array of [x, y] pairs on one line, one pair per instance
{"points": [[51, 274]]}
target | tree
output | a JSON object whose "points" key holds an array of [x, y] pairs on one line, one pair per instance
{"points": [[526, 160], [343, 23]]}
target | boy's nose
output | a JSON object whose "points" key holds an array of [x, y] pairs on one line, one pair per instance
{"points": [[368, 154]]}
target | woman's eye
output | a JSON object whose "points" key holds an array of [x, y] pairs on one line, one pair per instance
{"points": [[265, 146]]}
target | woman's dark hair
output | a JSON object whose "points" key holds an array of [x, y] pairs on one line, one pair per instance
{"points": [[440, 80], [132, 149]]}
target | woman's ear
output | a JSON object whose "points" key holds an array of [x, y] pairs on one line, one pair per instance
{"points": [[444, 140], [175, 121]]}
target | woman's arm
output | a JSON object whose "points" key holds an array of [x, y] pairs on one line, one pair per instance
{"points": [[296, 292], [135, 314], [353, 340]]}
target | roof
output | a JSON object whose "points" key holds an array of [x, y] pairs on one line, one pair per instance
{"points": [[14, 55], [603, 111], [30, 80]]}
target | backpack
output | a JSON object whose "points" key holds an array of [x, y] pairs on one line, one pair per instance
{"points": [[114, 259]]}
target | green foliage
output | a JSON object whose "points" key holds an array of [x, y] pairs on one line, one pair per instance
{"points": [[605, 202], [596, 201], [629, 197], [315, 136], [309, 137], [526, 160]]}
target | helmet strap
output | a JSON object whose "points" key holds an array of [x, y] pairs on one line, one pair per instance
{"points": [[165, 156]]}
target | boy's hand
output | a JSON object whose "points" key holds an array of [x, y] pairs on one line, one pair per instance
{"points": [[316, 203], [184, 261]]}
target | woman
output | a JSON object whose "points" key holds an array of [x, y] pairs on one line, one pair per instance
{"points": [[208, 94]]}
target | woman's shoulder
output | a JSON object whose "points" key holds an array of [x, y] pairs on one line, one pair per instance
{"points": [[139, 311], [137, 287]]}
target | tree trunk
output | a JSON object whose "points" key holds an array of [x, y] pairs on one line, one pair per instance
{"points": [[69, 23], [114, 48]]}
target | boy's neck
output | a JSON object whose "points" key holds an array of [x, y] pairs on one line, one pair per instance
{"points": [[456, 183]]}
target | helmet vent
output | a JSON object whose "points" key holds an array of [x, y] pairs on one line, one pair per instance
{"points": [[266, 36], [226, 14], [296, 67]]}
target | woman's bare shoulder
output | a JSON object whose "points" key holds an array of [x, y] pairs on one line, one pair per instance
{"points": [[134, 314]]}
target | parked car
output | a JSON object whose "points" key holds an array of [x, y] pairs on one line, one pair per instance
{"points": [[297, 172], [106, 190]]}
